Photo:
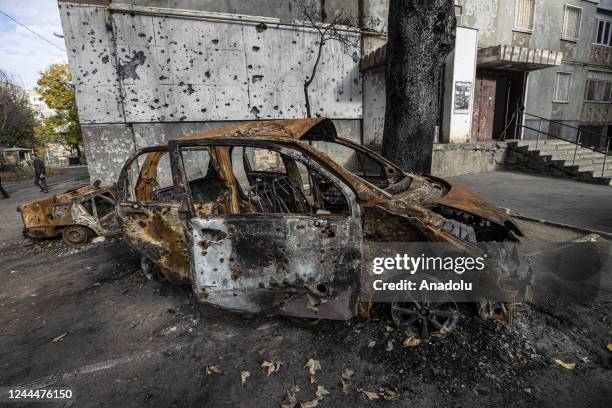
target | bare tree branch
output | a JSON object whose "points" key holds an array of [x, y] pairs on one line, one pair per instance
{"points": [[327, 31]]}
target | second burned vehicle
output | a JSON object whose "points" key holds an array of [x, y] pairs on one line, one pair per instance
{"points": [[258, 217]]}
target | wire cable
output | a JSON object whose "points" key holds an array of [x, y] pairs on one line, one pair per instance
{"points": [[33, 32]]}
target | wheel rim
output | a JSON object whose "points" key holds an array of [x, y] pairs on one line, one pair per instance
{"points": [[424, 318], [75, 235]]}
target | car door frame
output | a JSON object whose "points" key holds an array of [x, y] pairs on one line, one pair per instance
{"points": [[341, 304]]}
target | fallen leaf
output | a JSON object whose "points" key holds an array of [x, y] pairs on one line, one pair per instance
{"points": [[59, 338], [369, 394], [291, 400], [243, 376], [569, 366], [313, 366], [321, 392], [390, 394], [345, 380], [609, 346], [347, 373], [211, 369], [411, 341], [313, 302], [310, 404], [271, 366], [345, 385]]}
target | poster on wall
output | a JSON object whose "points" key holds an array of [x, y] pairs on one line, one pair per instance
{"points": [[463, 92]]}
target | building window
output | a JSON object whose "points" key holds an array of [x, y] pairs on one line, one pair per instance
{"points": [[523, 15], [603, 35], [571, 23], [563, 86], [598, 91]]}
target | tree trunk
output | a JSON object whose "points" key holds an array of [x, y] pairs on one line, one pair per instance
{"points": [[421, 34]]}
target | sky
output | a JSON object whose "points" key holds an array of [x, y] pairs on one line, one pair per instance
{"points": [[22, 53]]}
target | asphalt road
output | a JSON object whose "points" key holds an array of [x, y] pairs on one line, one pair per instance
{"points": [[553, 199], [88, 320]]}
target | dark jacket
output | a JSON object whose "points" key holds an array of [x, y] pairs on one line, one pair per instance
{"points": [[39, 166]]}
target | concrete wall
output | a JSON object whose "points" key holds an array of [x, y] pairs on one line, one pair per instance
{"points": [[457, 159], [139, 76], [285, 10]]}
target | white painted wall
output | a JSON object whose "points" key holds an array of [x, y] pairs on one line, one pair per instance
{"points": [[460, 69], [176, 69]]}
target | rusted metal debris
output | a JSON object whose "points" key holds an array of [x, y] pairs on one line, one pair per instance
{"points": [[286, 237], [77, 215]]}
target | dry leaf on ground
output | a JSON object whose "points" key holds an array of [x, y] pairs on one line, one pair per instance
{"points": [[313, 366], [369, 394], [271, 366], [59, 338], [411, 341], [291, 400], [243, 376], [211, 369], [569, 366]]}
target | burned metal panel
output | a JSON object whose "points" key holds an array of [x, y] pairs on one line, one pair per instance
{"points": [[156, 231], [258, 263], [177, 69], [46, 218], [91, 54]]}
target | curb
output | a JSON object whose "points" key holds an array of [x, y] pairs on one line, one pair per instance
{"points": [[604, 234]]}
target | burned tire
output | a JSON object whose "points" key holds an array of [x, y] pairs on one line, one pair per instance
{"points": [[76, 235], [421, 317]]}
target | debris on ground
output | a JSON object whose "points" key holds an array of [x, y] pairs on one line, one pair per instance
{"points": [[59, 338], [211, 369], [313, 366], [271, 366], [569, 366], [243, 377]]}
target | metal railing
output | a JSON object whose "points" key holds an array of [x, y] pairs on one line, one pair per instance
{"points": [[517, 126]]}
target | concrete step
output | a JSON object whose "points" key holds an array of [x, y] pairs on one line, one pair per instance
{"points": [[607, 174], [555, 148], [570, 155], [590, 167], [598, 161], [551, 142]]}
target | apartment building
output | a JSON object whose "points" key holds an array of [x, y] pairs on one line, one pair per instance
{"points": [[147, 71]]}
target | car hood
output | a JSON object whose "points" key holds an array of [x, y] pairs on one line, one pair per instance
{"points": [[460, 198]]}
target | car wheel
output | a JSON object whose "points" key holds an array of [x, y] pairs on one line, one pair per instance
{"points": [[421, 317], [76, 235]]}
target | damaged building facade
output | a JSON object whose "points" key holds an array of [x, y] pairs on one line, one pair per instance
{"points": [[147, 71]]}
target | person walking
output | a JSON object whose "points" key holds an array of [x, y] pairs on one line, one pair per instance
{"points": [[3, 191], [40, 177]]}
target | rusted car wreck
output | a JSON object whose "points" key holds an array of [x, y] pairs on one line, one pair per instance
{"points": [[258, 217], [77, 215]]}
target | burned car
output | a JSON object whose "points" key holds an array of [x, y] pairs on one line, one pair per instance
{"points": [[76, 215], [272, 216]]}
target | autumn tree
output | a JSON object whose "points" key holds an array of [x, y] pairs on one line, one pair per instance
{"points": [[17, 118], [421, 35], [57, 91]]}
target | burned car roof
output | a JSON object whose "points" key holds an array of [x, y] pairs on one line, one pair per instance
{"points": [[273, 130]]}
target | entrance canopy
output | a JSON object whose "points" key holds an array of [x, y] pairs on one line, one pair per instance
{"points": [[511, 58]]}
